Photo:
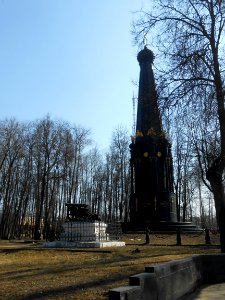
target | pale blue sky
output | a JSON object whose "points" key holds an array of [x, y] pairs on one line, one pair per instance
{"points": [[71, 59]]}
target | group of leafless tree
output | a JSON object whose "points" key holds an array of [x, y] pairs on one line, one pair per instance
{"points": [[48, 163], [45, 164]]}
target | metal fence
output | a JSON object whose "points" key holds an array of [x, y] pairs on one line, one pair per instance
{"points": [[90, 231]]}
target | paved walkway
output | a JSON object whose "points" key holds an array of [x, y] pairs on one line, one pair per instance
{"points": [[209, 292]]}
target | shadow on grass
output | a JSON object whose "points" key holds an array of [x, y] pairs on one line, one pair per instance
{"points": [[174, 245], [15, 250], [75, 289], [72, 289], [201, 246], [34, 271]]}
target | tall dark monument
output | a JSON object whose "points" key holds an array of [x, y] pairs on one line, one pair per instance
{"points": [[152, 201]]}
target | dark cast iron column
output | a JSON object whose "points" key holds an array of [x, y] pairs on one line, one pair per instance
{"points": [[152, 198]]}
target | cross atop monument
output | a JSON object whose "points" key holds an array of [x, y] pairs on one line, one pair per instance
{"points": [[145, 39]]}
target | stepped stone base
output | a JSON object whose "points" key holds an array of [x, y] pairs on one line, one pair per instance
{"points": [[162, 226], [96, 244]]}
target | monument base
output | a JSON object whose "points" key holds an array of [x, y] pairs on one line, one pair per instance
{"points": [[83, 231], [161, 226], [96, 244], [84, 234]]}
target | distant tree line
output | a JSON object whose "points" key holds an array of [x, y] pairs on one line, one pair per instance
{"points": [[46, 164]]}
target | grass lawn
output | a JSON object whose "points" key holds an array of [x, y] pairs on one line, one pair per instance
{"points": [[28, 271]]}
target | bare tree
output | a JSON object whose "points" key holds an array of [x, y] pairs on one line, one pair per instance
{"points": [[120, 151], [12, 153]]}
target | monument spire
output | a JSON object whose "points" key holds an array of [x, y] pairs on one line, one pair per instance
{"points": [[152, 197], [152, 200], [148, 116]]}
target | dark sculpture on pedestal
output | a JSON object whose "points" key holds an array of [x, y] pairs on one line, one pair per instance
{"points": [[80, 212]]}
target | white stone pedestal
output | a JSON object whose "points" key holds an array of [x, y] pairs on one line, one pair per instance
{"points": [[84, 231], [84, 235]]}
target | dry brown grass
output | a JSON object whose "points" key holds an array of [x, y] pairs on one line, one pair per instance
{"points": [[28, 272]]}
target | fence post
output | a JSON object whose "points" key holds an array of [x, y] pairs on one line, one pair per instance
{"points": [[178, 237], [147, 239], [207, 237]]}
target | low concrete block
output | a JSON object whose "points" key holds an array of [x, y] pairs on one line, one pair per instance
{"points": [[148, 284], [173, 280], [125, 293], [176, 278]]}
